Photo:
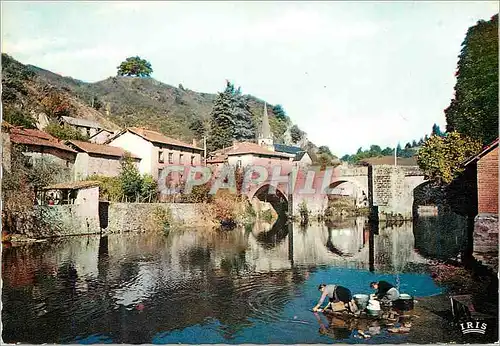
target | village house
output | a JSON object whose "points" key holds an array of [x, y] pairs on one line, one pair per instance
{"points": [[485, 168], [302, 157], [98, 159], [101, 136], [86, 127], [242, 154], [38, 146], [155, 150]]}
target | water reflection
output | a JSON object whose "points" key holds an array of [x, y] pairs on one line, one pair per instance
{"points": [[252, 284]]}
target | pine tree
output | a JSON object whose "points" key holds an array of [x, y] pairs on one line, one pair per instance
{"points": [[221, 132], [244, 129]]}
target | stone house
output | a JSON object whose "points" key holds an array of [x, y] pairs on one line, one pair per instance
{"points": [[485, 236], [98, 159], [155, 150], [242, 154], [101, 136], [302, 157], [86, 127], [38, 146]]}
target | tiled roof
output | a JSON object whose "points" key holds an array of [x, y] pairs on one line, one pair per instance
{"points": [[81, 122], [20, 135], [389, 160], [101, 149], [483, 152], [241, 148], [217, 159], [73, 185], [157, 137], [289, 149]]}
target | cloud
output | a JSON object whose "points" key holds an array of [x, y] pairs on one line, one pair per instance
{"points": [[31, 46]]}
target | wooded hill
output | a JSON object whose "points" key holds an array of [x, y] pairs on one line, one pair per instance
{"points": [[117, 101]]}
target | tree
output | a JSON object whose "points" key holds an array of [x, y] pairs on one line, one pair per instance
{"points": [[436, 130], [244, 129], [387, 151], [130, 179], [375, 150], [474, 109], [414, 144], [279, 112], [441, 157], [297, 134], [408, 145], [135, 66], [323, 149], [198, 127], [221, 131], [55, 105]]}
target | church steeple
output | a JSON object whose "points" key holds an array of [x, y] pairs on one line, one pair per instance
{"points": [[265, 137]]}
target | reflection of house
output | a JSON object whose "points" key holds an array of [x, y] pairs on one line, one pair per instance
{"points": [[97, 159], [40, 145], [156, 150], [485, 164], [86, 127], [101, 136]]}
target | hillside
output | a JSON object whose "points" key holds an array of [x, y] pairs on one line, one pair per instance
{"points": [[118, 101]]}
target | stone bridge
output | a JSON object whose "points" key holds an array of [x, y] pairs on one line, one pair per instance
{"points": [[386, 189]]}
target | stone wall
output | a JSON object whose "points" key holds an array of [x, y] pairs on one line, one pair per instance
{"points": [[79, 218], [6, 151], [393, 188], [486, 240], [487, 182], [125, 217]]}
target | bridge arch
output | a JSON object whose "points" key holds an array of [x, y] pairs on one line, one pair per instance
{"points": [[361, 192], [277, 199]]}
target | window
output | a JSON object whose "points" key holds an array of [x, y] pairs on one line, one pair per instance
{"points": [[238, 164], [160, 156], [192, 160], [159, 173], [181, 158], [170, 158]]}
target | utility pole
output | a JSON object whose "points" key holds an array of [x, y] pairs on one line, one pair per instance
{"points": [[205, 149], [396, 155]]}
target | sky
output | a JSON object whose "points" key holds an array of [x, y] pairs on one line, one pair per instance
{"points": [[350, 74]]}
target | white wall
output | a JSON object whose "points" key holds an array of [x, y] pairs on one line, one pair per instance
{"points": [[139, 147]]}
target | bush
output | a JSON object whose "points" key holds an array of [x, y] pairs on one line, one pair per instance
{"points": [[225, 207], [64, 132], [199, 194], [110, 188]]}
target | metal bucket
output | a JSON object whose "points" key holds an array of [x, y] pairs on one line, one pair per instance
{"points": [[404, 303], [361, 300]]}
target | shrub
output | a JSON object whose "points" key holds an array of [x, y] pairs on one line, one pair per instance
{"points": [[64, 132]]}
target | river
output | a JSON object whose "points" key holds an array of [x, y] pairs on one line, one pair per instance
{"points": [[250, 285]]}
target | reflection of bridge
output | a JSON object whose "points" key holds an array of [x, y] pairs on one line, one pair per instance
{"points": [[389, 189], [350, 244]]}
